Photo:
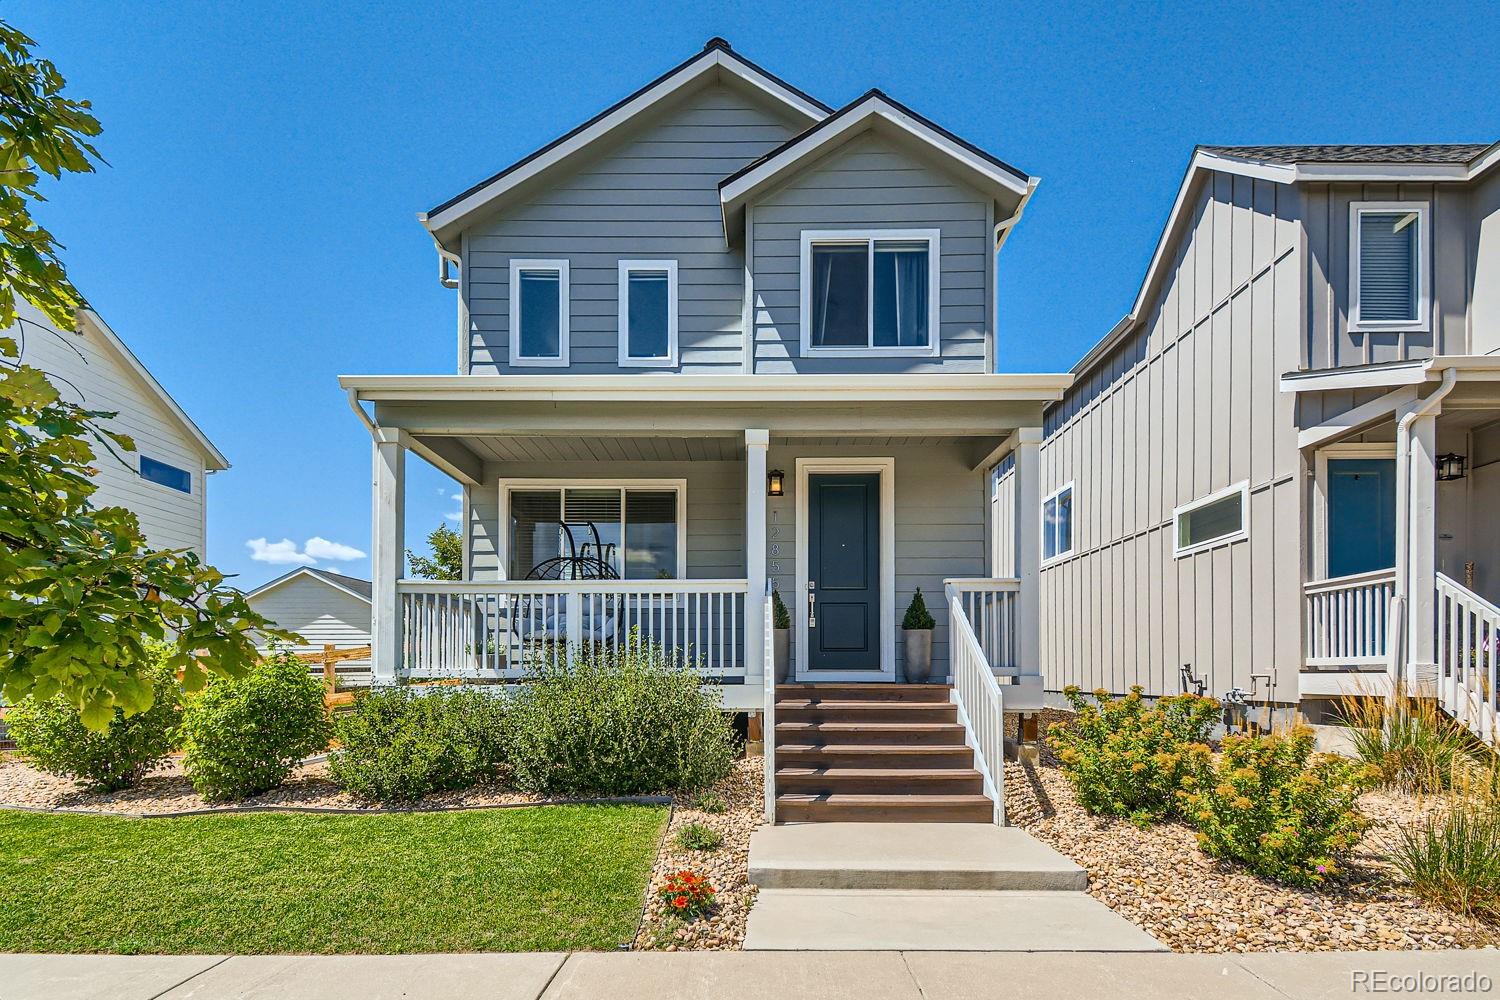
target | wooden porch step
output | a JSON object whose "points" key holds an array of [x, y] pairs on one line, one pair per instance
{"points": [[877, 755], [855, 808], [864, 692], [804, 710], [911, 733], [879, 780]]}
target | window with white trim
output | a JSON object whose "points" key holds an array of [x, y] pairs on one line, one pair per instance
{"points": [[871, 292], [596, 530], [648, 313], [1388, 270], [1057, 523], [539, 313], [1217, 519]]}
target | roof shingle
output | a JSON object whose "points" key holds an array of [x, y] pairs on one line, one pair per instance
{"points": [[1458, 152]]}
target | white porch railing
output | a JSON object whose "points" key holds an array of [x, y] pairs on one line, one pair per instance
{"points": [[496, 630], [981, 703], [991, 609], [1348, 620], [768, 717], [1468, 646]]}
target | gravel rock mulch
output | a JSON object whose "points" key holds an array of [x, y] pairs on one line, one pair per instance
{"points": [[727, 867], [167, 790], [1158, 879]]}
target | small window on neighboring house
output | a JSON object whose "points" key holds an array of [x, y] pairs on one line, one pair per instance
{"points": [[166, 475], [1387, 266], [870, 293], [539, 312], [648, 313], [1216, 519], [1057, 523]]}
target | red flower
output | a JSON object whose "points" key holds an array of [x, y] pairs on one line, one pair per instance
{"points": [[680, 902]]}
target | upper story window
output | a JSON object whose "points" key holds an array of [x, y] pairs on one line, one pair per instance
{"points": [[870, 292], [648, 313], [1057, 524], [166, 475], [539, 313], [1214, 520], [1388, 277]]}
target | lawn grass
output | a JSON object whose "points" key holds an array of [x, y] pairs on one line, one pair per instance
{"points": [[535, 879]]}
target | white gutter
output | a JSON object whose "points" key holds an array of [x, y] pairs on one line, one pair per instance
{"points": [[1401, 600], [364, 418]]}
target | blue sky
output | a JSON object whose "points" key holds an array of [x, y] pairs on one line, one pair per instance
{"points": [[254, 235]]}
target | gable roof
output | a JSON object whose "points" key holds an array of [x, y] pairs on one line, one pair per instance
{"points": [[214, 459], [1010, 187], [1292, 165], [446, 220], [351, 585]]}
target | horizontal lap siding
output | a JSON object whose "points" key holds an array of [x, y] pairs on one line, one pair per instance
{"points": [[86, 371], [869, 183], [656, 197], [317, 612], [1187, 405]]}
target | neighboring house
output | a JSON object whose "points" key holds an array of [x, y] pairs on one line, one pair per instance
{"points": [[165, 480], [722, 336], [1279, 474], [325, 609]]}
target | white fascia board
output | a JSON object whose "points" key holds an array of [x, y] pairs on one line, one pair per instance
{"points": [[737, 389], [299, 573], [1386, 376], [709, 62], [215, 460]]}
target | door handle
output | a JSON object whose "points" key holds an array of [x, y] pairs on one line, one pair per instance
{"points": [[812, 605]]}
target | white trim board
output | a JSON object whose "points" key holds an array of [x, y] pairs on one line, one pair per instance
{"points": [[869, 237], [885, 467], [502, 520]]}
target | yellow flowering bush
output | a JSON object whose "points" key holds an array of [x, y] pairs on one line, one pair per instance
{"points": [[1271, 804], [1126, 757]]}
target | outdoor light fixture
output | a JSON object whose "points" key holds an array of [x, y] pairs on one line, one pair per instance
{"points": [[1450, 467], [775, 483]]}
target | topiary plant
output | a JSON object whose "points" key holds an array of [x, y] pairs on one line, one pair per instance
{"points": [[52, 736], [917, 615], [243, 736], [780, 616]]}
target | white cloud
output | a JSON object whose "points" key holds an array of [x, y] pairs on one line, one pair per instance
{"points": [[282, 553], [287, 553], [457, 515], [322, 548]]}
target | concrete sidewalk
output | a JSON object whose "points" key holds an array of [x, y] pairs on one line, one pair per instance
{"points": [[750, 976]]}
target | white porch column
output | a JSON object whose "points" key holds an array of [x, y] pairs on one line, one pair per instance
{"points": [[757, 441], [1027, 525], [1421, 552], [387, 553]]}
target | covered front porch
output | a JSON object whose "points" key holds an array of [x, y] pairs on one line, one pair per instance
{"points": [[1404, 557], [668, 508]]}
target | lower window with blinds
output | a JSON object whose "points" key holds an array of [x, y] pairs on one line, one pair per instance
{"points": [[595, 531]]}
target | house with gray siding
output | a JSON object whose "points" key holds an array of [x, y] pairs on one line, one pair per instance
{"points": [[324, 609], [1276, 476], [723, 338]]}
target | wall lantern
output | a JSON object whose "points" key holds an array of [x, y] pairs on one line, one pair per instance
{"points": [[775, 483], [1450, 467]]}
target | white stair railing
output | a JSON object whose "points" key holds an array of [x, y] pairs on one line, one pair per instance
{"points": [[1348, 620], [768, 716], [980, 701], [1468, 646]]}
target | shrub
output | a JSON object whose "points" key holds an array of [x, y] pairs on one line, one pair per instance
{"points": [[1453, 860], [242, 736], [917, 615], [688, 894], [1127, 758], [699, 837], [1414, 746], [780, 616], [1270, 804], [709, 802], [626, 720], [51, 735], [399, 745]]}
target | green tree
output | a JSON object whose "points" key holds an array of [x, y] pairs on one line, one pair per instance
{"points": [[82, 595], [447, 560]]}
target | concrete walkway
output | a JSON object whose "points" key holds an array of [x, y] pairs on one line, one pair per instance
{"points": [[828, 975]]}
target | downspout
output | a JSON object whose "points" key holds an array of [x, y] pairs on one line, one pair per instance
{"points": [[1399, 625], [364, 417], [446, 257]]}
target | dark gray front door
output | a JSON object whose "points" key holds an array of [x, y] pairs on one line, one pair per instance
{"points": [[843, 572]]}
